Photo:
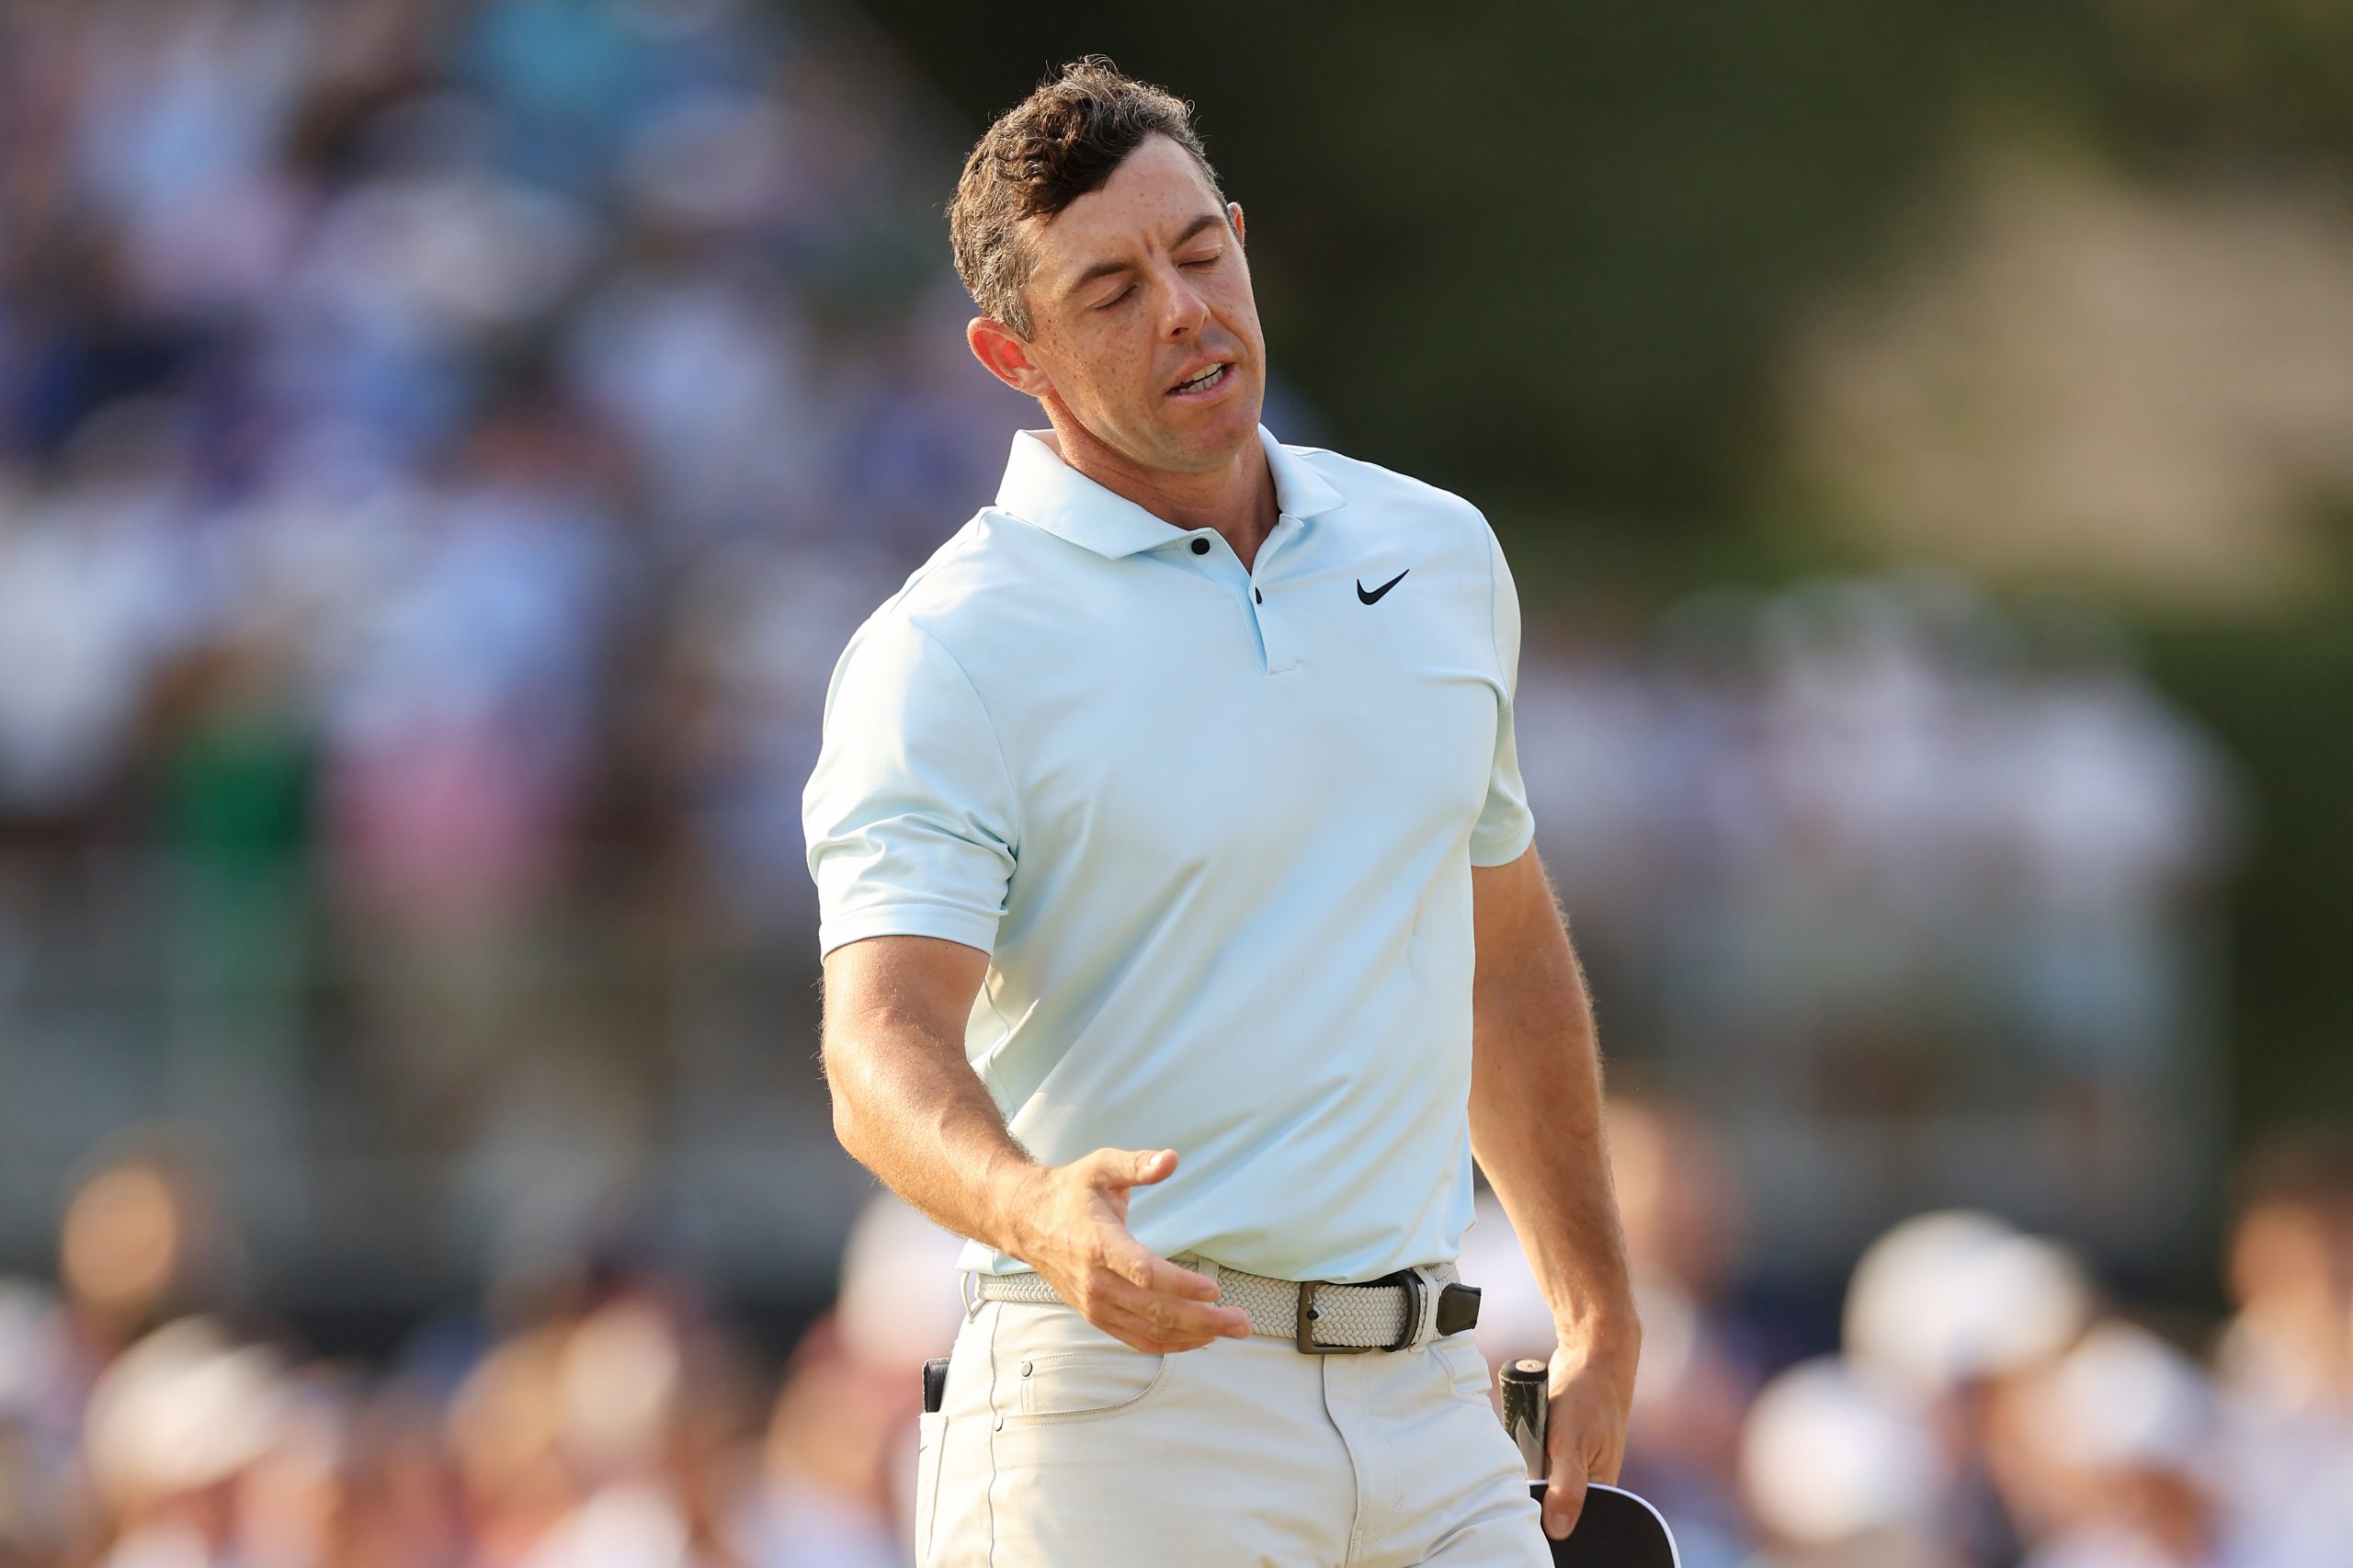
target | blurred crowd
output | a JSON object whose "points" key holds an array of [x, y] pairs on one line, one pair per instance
{"points": [[1986, 1403], [1879, 803], [1896, 878], [597, 1414], [1990, 1402], [454, 433], [443, 448]]}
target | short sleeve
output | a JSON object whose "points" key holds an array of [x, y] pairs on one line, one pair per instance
{"points": [[909, 811], [1506, 828]]}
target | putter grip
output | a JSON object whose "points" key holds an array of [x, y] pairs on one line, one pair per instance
{"points": [[1525, 1398]]}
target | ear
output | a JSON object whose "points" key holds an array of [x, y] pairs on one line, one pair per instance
{"points": [[1006, 354], [1234, 216]]}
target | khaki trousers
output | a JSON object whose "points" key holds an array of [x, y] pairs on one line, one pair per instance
{"points": [[1056, 1446]]}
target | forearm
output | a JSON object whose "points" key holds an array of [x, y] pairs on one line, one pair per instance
{"points": [[910, 1108], [1536, 1124]]}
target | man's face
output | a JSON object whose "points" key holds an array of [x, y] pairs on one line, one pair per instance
{"points": [[1138, 289]]}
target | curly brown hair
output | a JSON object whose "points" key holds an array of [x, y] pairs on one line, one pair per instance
{"points": [[1046, 152]]}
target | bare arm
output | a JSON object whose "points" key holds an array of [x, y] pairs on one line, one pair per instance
{"points": [[1536, 1130], [909, 1108]]}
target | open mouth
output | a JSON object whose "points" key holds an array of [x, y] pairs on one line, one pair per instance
{"points": [[1209, 380]]}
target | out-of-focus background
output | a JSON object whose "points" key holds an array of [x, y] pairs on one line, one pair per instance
{"points": [[443, 447]]}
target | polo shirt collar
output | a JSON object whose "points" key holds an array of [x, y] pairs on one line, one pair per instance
{"points": [[1042, 490]]}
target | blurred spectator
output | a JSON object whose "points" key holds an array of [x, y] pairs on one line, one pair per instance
{"points": [[1956, 1311], [841, 1446], [143, 1239], [1703, 1356], [2286, 1358], [2121, 1439], [173, 1423], [1840, 1475]]}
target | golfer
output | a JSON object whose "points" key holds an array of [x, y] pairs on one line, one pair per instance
{"points": [[1159, 819]]}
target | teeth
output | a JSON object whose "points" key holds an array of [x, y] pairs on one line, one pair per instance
{"points": [[1204, 378]]}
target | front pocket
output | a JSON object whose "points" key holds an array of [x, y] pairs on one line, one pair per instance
{"points": [[931, 1429], [1072, 1385], [1466, 1365]]}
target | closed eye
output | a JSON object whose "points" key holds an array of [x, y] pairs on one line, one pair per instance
{"points": [[1208, 260], [1117, 297]]}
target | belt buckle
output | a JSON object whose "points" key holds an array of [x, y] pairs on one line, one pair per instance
{"points": [[1303, 1334]]}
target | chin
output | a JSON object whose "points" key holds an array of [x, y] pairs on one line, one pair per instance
{"points": [[1220, 433], [1200, 451]]}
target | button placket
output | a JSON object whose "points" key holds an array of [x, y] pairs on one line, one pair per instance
{"points": [[1271, 638]]}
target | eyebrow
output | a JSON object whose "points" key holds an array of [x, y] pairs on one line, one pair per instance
{"points": [[1105, 269]]}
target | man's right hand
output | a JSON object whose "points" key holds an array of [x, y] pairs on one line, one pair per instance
{"points": [[1074, 1222]]}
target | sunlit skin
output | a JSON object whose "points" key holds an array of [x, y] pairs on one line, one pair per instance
{"points": [[1134, 287]]}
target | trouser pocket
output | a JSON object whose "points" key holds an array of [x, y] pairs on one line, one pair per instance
{"points": [[1078, 1385], [931, 1430]]}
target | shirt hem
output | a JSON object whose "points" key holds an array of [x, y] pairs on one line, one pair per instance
{"points": [[1520, 841], [907, 920]]}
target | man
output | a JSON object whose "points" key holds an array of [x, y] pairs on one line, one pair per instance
{"points": [[1157, 821]]}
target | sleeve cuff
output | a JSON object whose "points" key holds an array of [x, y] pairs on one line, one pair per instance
{"points": [[907, 920], [1486, 856]]}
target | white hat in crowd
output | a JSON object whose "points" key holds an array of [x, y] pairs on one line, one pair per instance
{"points": [[183, 1409], [1957, 1295], [2123, 1399], [1830, 1455]]}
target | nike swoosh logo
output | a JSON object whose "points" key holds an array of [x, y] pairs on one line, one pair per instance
{"points": [[1374, 597]]}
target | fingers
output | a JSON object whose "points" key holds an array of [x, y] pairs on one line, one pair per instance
{"points": [[1139, 1320], [1128, 1290], [1133, 1167], [1572, 1461], [1564, 1474], [1564, 1498], [1147, 1270], [1139, 1333], [1172, 1316], [1168, 1294]]}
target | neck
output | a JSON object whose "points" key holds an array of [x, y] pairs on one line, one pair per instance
{"points": [[1236, 498]]}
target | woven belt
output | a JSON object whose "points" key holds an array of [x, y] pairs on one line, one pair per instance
{"points": [[1393, 1312]]}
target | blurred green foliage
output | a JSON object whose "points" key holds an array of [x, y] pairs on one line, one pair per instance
{"points": [[2280, 697]]}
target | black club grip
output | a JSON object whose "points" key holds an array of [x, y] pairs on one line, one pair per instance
{"points": [[1526, 1395]]}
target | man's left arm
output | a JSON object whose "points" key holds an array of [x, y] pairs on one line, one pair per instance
{"points": [[1536, 1130]]}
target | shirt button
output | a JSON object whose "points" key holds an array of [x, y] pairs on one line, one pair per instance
{"points": [[1201, 547], [1025, 1368], [997, 1424]]}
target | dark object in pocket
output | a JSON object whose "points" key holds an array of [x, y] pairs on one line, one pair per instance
{"points": [[935, 1384]]}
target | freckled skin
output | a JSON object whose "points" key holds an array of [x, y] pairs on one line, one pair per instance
{"points": [[1104, 351]]}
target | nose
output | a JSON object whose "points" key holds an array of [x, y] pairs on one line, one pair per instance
{"points": [[1182, 311]]}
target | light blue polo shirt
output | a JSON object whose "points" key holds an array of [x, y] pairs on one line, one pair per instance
{"points": [[1214, 828]]}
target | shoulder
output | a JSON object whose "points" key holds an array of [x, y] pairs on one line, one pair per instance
{"points": [[1399, 506], [1369, 484], [973, 584], [1382, 504]]}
